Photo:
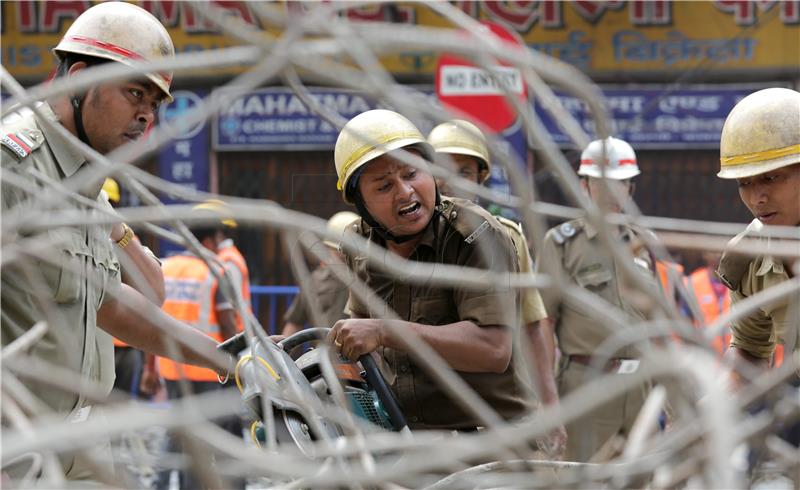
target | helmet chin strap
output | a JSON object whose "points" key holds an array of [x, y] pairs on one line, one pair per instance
{"points": [[77, 115]]}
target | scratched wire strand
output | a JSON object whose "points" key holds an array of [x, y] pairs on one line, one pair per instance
{"points": [[700, 438]]}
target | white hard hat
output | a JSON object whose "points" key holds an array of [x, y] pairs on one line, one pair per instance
{"points": [[761, 134], [619, 158], [460, 137], [122, 32], [370, 135], [337, 225]]}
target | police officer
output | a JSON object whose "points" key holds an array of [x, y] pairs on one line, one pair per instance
{"points": [[330, 292], [401, 210], [760, 149], [574, 250], [74, 283], [463, 148]]}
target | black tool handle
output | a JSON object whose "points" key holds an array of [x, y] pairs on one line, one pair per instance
{"points": [[234, 345], [303, 336], [385, 395]]}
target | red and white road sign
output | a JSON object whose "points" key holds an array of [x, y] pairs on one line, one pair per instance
{"points": [[472, 90]]}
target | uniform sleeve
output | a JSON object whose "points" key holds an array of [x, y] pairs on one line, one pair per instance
{"points": [[493, 252], [533, 308], [298, 311], [220, 302], [235, 275], [549, 255], [752, 333], [354, 307]]}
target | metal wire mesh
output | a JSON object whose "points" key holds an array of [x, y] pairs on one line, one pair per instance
{"points": [[706, 430]]}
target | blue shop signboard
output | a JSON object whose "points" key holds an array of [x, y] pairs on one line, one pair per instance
{"points": [[277, 119], [185, 159], [659, 116]]}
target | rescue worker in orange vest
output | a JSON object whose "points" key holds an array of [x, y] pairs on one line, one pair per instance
{"points": [[141, 270], [193, 296], [230, 256], [713, 297]]}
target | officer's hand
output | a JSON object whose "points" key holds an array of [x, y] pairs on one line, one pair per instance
{"points": [[356, 336], [557, 443], [150, 382]]}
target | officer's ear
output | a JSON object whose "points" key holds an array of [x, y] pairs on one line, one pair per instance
{"points": [[77, 67], [631, 188]]}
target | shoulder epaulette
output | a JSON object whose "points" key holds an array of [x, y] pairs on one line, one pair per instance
{"points": [[733, 266], [511, 224], [470, 220], [565, 231], [22, 143]]}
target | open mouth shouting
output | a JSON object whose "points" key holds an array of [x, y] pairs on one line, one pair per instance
{"points": [[410, 211]]}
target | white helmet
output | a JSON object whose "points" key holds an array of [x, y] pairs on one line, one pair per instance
{"points": [[459, 137], [370, 135], [619, 158], [761, 134], [338, 223], [122, 32]]}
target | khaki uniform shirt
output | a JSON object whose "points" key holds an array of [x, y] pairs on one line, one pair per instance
{"points": [[577, 251], [331, 295], [464, 235], [67, 281], [758, 332], [532, 306]]}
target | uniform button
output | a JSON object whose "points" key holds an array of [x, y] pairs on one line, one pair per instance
{"points": [[453, 215], [403, 368], [415, 419]]}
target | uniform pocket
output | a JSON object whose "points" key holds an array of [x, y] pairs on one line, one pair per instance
{"points": [[63, 278], [594, 279]]}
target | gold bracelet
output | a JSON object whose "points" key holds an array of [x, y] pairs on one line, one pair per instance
{"points": [[126, 237]]}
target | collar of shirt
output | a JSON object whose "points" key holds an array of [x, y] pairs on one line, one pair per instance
{"points": [[68, 157], [626, 233], [427, 238], [769, 264], [226, 243]]}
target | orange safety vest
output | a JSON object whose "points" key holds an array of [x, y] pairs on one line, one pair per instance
{"points": [[234, 256], [710, 306], [666, 279], [190, 298]]}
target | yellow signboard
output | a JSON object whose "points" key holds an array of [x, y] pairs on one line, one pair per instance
{"points": [[600, 37]]}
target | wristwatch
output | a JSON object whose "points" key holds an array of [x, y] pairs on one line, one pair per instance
{"points": [[126, 237]]}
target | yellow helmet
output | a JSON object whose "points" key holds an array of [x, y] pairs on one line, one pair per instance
{"points": [[370, 135], [761, 134], [220, 209], [460, 137], [123, 32], [112, 189], [338, 223]]}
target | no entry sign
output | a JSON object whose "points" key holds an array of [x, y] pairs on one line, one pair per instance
{"points": [[477, 92]]}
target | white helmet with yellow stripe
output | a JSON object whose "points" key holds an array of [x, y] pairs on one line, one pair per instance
{"points": [[123, 32], [761, 134]]}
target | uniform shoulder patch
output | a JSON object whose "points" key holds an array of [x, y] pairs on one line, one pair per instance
{"points": [[22, 143], [466, 217], [567, 229], [510, 224]]}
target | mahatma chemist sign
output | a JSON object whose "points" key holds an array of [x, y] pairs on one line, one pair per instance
{"points": [[277, 119]]}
